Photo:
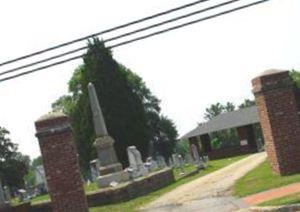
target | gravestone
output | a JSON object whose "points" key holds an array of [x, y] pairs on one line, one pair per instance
{"points": [[181, 164], [94, 168], [161, 161], [41, 182], [136, 164], [171, 162], [196, 157], [189, 159], [7, 196], [111, 170], [2, 199], [151, 164], [175, 160]]}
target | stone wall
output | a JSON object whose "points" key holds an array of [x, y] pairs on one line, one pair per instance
{"points": [[121, 193]]}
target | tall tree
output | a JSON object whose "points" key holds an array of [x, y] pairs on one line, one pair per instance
{"points": [[213, 111], [228, 107], [247, 103], [13, 165], [130, 110]]}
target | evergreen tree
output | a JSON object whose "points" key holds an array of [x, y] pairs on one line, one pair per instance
{"points": [[131, 112], [13, 165]]}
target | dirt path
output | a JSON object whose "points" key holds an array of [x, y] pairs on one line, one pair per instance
{"points": [[210, 192]]}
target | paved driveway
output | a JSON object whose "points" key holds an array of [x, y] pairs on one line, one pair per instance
{"points": [[211, 192]]}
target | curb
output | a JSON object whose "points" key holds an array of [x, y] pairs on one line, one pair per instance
{"points": [[285, 208]]}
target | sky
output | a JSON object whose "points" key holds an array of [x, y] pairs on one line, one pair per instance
{"points": [[187, 69]]}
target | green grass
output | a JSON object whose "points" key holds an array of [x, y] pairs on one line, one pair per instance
{"points": [[88, 188], [133, 204], [288, 200], [261, 179], [40, 198]]}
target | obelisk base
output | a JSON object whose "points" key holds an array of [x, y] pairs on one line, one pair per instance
{"points": [[110, 169], [118, 177]]}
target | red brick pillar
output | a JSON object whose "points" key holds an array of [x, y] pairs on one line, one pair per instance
{"points": [[278, 114], [60, 163]]}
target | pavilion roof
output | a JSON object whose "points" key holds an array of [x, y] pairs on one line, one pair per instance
{"points": [[237, 118]]}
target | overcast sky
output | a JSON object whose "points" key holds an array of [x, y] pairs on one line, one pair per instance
{"points": [[187, 69]]}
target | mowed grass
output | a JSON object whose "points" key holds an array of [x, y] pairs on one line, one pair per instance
{"points": [[136, 203], [87, 187], [288, 200], [260, 179]]}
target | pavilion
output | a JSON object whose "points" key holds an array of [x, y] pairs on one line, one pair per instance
{"points": [[245, 121]]}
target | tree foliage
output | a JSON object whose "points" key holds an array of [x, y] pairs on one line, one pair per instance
{"points": [[13, 165], [247, 103], [217, 109], [29, 178], [131, 112]]}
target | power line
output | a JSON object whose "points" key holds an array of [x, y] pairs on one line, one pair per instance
{"points": [[104, 32], [138, 38], [121, 36]]}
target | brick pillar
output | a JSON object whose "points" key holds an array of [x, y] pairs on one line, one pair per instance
{"points": [[279, 120], [60, 163], [247, 133]]}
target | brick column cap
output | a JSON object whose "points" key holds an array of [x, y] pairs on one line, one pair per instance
{"points": [[52, 123], [271, 72], [271, 79]]}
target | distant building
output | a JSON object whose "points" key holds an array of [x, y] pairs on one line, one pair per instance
{"points": [[247, 125]]}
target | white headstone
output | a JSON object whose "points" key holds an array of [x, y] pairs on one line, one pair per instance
{"points": [[7, 196], [189, 159], [161, 161], [181, 164], [196, 156], [40, 179], [94, 168], [151, 164], [175, 160], [135, 162], [40, 175]]}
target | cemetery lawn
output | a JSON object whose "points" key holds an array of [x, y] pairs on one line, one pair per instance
{"points": [[42, 198], [261, 179], [136, 203], [288, 200]]}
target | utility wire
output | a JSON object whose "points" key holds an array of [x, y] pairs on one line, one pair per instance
{"points": [[138, 38], [120, 36], [104, 32]]}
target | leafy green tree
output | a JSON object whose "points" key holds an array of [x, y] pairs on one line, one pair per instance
{"points": [[213, 111], [13, 165], [295, 75], [247, 103], [130, 110], [228, 107], [167, 138], [30, 176], [182, 147], [217, 109]]}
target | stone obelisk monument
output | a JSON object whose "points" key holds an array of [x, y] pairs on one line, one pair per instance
{"points": [[110, 169]]}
